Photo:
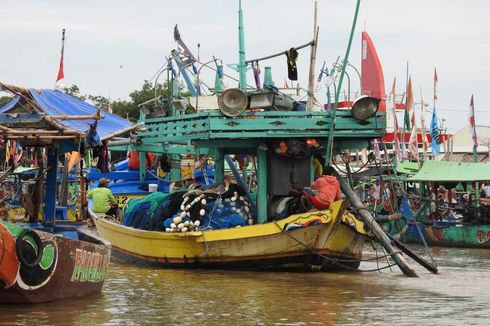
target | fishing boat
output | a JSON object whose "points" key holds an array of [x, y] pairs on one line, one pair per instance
{"points": [[57, 263], [321, 240], [445, 221], [50, 259], [230, 224]]}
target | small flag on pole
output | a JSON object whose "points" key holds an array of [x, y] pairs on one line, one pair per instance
{"points": [[472, 123], [188, 59], [408, 105], [434, 133], [413, 145], [435, 84], [434, 126], [61, 73], [109, 105]]}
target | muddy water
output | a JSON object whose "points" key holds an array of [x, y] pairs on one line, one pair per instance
{"points": [[459, 295]]}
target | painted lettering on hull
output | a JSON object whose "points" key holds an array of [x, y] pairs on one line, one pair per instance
{"points": [[482, 236], [89, 266]]}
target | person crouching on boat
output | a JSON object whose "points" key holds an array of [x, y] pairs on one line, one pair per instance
{"points": [[103, 199], [328, 189]]}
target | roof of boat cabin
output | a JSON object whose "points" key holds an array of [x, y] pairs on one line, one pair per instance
{"points": [[55, 102], [452, 172]]}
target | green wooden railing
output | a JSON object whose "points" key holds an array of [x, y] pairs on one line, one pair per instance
{"points": [[256, 125]]}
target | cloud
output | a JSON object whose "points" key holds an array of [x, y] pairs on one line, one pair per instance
{"points": [[451, 35]]}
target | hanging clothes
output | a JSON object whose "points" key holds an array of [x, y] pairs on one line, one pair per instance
{"points": [[103, 161], [292, 56], [256, 71]]}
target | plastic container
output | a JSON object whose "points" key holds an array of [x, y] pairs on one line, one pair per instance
{"points": [[152, 187]]}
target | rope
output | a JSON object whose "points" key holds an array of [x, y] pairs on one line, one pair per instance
{"points": [[334, 261], [408, 196]]}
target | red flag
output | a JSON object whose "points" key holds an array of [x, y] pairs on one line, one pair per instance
{"points": [[413, 145], [61, 73], [435, 84], [472, 122], [408, 105]]}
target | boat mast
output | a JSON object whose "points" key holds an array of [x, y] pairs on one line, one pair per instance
{"points": [[311, 76], [329, 149], [242, 62]]}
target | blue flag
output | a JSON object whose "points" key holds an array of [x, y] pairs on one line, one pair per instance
{"points": [[434, 133]]}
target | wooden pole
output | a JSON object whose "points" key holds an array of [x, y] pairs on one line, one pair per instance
{"points": [[280, 53], [311, 76], [375, 228]]}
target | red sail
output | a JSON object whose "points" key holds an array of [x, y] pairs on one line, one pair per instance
{"points": [[372, 79]]}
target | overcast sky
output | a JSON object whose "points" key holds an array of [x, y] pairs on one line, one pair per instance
{"points": [[113, 46]]}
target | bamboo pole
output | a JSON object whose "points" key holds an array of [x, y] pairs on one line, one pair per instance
{"points": [[132, 127], [11, 131], [281, 53], [45, 137], [375, 228], [76, 117], [311, 75]]}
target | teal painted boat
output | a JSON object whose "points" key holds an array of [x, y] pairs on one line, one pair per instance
{"points": [[467, 225]]}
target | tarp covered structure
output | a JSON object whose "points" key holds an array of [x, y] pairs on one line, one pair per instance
{"points": [[452, 172], [57, 103], [407, 167]]}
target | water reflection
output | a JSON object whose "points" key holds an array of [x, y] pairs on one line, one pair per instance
{"points": [[135, 295]]}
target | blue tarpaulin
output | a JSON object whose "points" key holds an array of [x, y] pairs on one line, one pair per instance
{"points": [[55, 102]]}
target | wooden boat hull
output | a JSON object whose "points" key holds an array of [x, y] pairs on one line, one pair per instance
{"points": [[458, 236], [321, 242], [68, 269]]}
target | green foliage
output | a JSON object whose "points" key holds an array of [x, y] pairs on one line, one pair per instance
{"points": [[74, 91], [126, 108], [4, 100]]}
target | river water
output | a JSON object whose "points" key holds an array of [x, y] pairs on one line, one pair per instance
{"points": [[459, 295]]}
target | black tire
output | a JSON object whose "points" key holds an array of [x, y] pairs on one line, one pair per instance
{"points": [[19, 246]]}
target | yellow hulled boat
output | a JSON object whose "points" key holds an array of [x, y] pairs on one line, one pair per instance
{"points": [[316, 240]]}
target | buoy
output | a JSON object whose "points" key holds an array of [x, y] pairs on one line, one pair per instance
{"points": [[177, 219], [246, 208], [203, 201], [187, 207], [173, 225], [202, 212], [167, 229], [197, 223], [238, 210], [182, 207], [242, 198], [250, 221], [180, 226], [187, 223], [188, 214], [184, 229]]}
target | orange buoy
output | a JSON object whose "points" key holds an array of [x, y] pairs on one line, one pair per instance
{"points": [[9, 264]]}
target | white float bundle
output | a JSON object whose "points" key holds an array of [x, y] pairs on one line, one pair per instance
{"points": [[211, 210]]}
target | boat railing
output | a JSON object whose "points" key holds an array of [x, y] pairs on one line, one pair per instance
{"points": [[270, 124]]}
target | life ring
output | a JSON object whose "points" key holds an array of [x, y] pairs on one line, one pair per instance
{"points": [[19, 247]]}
